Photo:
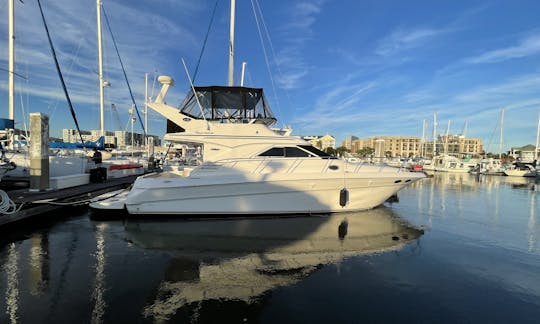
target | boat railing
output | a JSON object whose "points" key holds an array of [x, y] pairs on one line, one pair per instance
{"points": [[259, 165]]}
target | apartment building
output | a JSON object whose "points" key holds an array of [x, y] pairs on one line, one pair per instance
{"points": [[395, 146], [117, 138], [455, 145]]}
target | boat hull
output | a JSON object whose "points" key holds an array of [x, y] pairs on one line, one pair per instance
{"points": [[521, 173], [306, 196]]}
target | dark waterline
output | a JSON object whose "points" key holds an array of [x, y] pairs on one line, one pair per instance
{"points": [[454, 249]]}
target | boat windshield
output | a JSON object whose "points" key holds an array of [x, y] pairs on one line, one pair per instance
{"points": [[228, 105], [315, 151], [300, 151]]}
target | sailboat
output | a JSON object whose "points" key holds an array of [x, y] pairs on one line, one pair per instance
{"points": [[526, 169], [119, 166], [18, 165], [66, 159], [247, 167]]}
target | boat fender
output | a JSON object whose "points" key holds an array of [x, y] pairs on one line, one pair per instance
{"points": [[343, 197], [342, 229]]}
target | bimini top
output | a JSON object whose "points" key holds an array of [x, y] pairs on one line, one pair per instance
{"points": [[228, 105]]}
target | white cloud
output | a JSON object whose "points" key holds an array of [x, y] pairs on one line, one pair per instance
{"points": [[404, 39], [291, 63], [527, 47]]}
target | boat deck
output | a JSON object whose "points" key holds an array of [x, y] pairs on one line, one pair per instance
{"points": [[38, 204]]}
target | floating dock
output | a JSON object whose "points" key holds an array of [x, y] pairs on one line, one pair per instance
{"points": [[32, 204]]}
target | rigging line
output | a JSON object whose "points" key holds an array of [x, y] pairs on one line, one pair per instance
{"points": [[27, 100], [497, 127], [195, 95], [23, 112], [60, 73], [205, 40], [124, 70], [53, 105], [272, 49], [70, 67], [266, 58], [14, 73]]}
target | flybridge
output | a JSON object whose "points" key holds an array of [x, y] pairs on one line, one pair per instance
{"points": [[228, 104]]}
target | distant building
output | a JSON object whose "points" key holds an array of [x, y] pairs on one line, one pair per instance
{"points": [[72, 136], [394, 146], [112, 139], [347, 143], [455, 145], [525, 153], [321, 142]]}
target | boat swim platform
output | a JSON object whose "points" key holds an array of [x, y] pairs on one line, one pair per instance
{"points": [[38, 205]]}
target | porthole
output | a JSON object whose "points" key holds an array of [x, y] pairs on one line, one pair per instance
{"points": [[397, 181], [333, 167]]}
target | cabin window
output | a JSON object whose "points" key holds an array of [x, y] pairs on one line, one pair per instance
{"points": [[286, 152], [274, 151], [296, 152]]}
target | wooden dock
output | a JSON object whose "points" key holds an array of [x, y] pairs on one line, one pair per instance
{"points": [[36, 204]]}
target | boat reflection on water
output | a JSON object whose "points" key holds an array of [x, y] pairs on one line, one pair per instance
{"points": [[241, 259], [521, 182], [464, 182]]}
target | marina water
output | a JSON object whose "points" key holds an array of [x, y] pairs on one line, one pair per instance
{"points": [[455, 248]]}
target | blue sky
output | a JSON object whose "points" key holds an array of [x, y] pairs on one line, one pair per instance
{"points": [[346, 67]]}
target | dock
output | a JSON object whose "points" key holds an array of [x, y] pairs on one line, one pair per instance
{"points": [[41, 203]]}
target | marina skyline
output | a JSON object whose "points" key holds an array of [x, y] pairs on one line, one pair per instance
{"points": [[337, 67]]}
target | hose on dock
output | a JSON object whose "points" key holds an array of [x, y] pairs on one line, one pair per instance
{"points": [[85, 201], [8, 206]]}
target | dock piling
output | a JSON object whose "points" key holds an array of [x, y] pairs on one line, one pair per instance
{"points": [[39, 152]]}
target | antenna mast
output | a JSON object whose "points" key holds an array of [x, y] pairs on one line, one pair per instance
{"points": [[243, 72]]}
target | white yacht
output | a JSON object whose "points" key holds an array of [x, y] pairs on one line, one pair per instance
{"points": [[489, 166], [448, 163], [248, 167], [522, 169]]}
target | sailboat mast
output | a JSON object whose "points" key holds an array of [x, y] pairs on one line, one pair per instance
{"points": [[434, 133], [423, 138], [100, 71], [537, 139], [231, 45], [446, 138], [11, 67], [501, 135], [146, 106]]}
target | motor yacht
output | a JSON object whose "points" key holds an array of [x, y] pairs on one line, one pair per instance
{"points": [[522, 169], [245, 166], [448, 163], [489, 166]]}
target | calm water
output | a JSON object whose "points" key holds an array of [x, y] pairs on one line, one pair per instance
{"points": [[454, 249]]}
